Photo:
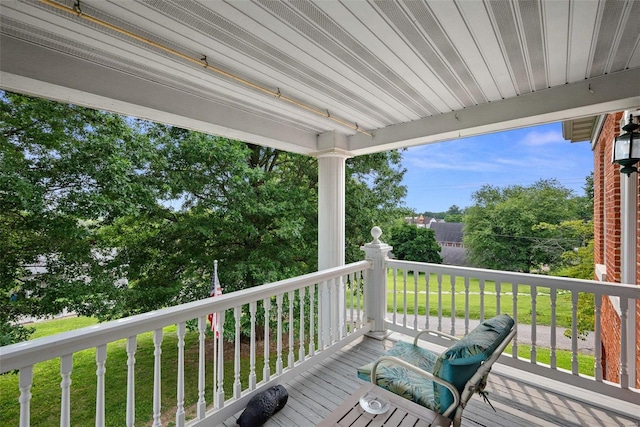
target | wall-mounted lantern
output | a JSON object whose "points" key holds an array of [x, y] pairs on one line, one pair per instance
{"points": [[626, 147]]}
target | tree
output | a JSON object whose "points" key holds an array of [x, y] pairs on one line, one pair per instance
{"points": [[128, 216], [577, 262], [374, 197], [252, 208], [414, 244], [64, 171], [500, 228], [454, 214]]}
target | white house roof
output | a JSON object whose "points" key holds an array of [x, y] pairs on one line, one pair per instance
{"points": [[305, 76]]}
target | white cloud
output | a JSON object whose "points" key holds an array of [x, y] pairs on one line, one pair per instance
{"points": [[537, 138]]}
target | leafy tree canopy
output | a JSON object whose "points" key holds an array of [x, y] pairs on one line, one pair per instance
{"points": [[412, 243], [122, 216], [511, 228]]}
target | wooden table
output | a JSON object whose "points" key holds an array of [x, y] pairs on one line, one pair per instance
{"points": [[402, 412]]}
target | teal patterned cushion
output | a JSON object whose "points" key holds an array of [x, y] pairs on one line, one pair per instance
{"points": [[459, 362], [404, 382], [456, 365]]}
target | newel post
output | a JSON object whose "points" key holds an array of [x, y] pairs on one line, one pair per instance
{"points": [[375, 287]]}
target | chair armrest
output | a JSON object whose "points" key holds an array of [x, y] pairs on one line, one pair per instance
{"points": [[434, 332], [422, 372]]}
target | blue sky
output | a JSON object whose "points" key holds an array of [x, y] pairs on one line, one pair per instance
{"points": [[448, 173]]}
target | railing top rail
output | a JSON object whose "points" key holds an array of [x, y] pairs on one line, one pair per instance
{"points": [[22, 354], [553, 282]]}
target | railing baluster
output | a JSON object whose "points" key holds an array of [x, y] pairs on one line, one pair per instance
{"points": [[291, 323], [237, 386], [322, 292], [343, 303], [220, 361], [498, 292], [427, 281], [598, 337], [353, 289], [534, 321], [131, 381], [624, 366], [157, 380], [416, 274], [439, 302], [312, 315], [279, 335], [553, 358], [335, 310], [301, 356], [574, 332], [394, 312], [466, 304], [361, 281], [180, 415], [66, 365], [452, 280], [101, 357], [25, 382], [266, 370], [404, 297], [202, 404], [481, 285], [514, 348], [253, 308]]}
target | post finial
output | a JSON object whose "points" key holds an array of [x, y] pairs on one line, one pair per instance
{"points": [[376, 232]]}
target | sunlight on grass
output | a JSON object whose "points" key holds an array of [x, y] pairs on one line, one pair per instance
{"points": [[56, 326], [488, 297], [563, 358], [45, 403]]}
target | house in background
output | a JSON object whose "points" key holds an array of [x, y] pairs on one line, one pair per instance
{"points": [[449, 237], [418, 221], [616, 241]]}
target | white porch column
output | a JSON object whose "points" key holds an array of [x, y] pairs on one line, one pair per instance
{"points": [[331, 210], [375, 290], [331, 230]]}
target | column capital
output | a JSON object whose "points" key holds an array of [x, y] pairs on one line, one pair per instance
{"points": [[333, 152], [333, 144]]}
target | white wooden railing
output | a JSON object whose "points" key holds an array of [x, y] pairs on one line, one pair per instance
{"points": [[310, 301], [448, 291], [322, 325]]}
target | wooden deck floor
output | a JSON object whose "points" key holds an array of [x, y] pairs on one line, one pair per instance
{"points": [[317, 392]]}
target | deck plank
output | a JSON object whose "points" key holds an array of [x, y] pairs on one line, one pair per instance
{"points": [[319, 390]]}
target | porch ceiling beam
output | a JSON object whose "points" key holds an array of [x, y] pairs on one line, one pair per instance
{"points": [[613, 92], [34, 70]]}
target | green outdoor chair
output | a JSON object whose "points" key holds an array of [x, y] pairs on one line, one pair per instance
{"points": [[442, 382]]}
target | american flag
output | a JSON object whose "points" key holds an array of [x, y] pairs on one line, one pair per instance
{"points": [[215, 291]]}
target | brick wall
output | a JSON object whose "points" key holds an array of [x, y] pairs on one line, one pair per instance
{"points": [[611, 194], [607, 237], [607, 244], [610, 322], [598, 203]]}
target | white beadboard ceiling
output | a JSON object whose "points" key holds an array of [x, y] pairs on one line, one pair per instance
{"points": [[311, 76]]}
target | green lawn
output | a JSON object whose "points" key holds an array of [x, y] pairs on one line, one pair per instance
{"points": [[543, 299], [45, 404]]}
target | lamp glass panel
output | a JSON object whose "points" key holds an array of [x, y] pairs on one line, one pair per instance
{"points": [[635, 147], [621, 149]]}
